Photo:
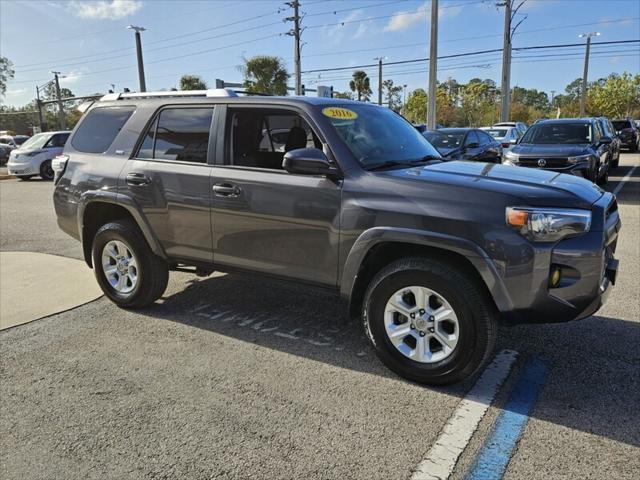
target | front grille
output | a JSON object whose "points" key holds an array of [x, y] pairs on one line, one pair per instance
{"points": [[551, 162]]}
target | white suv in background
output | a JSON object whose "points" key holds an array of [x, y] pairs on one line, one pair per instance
{"points": [[520, 126], [34, 156], [507, 136]]}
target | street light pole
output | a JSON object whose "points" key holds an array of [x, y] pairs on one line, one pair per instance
{"points": [[61, 120], [433, 67], [585, 74], [39, 103], [379, 78], [143, 84]]}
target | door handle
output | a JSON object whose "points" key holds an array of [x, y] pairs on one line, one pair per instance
{"points": [[137, 179], [226, 190]]}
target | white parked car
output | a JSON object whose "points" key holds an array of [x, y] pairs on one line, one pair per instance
{"points": [[507, 136], [520, 126], [34, 156]]}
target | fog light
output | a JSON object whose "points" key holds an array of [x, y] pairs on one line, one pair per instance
{"points": [[555, 277]]}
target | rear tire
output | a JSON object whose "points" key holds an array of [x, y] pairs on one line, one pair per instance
{"points": [[474, 330], [46, 172], [144, 283]]}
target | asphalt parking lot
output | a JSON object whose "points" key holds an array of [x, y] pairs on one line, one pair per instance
{"points": [[240, 377]]}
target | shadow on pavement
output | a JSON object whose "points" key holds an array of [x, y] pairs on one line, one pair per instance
{"points": [[630, 193], [594, 384]]}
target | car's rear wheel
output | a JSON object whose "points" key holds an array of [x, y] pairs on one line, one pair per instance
{"points": [[128, 272], [429, 321], [46, 171], [604, 178]]}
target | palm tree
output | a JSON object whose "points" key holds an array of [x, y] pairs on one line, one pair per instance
{"points": [[361, 85], [192, 82], [265, 74]]}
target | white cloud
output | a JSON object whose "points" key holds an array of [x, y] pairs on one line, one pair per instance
{"points": [[16, 92], [347, 24], [105, 9], [72, 77], [408, 18]]}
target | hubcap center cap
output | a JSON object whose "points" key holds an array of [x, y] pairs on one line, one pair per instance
{"points": [[422, 324]]}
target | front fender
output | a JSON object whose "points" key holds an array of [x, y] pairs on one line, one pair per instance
{"points": [[472, 252], [129, 204]]}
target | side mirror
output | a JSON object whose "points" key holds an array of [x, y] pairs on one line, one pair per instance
{"points": [[308, 161], [606, 140]]}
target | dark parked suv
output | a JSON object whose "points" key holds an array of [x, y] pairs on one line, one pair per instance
{"points": [[628, 133], [428, 253], [570, 145]]}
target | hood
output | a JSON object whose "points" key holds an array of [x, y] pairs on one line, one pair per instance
{"points": [[559, 150], [532, 186]]}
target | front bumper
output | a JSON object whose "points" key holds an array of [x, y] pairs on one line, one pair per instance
{"points": [[26, 168], [589, 271]]}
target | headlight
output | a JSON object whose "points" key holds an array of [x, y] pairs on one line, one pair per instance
{"points": [[548, 224], [31, 154], [511, 158], [579, 158]]}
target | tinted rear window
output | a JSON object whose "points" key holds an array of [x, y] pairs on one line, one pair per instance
{"points": [[621, 124], [100, 128]]}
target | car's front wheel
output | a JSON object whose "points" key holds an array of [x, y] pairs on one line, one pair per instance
{"points": [[46, 171], [429, 321], [128, 272]]}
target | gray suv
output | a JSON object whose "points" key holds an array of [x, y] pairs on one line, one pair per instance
{"points": [[429, 254]]}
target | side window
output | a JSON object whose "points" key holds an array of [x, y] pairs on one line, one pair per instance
{"points": [[472, 137], [178, 134], [260, 137], [484, 138], [57, 140], [99, 129]]}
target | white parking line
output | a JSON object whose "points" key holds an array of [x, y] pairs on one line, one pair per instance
{"points": [[624, 180], [456, 434]]}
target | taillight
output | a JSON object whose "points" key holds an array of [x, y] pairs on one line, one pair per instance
{"points": [[506, 145], [59, 164]]}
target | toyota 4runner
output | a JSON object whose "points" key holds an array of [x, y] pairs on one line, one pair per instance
{"points": [[429, 254]]}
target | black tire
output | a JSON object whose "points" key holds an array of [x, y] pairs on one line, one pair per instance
{"points": [[477, 317], [615, 163], [153, 272], [604, 179], [25, 178], [46, 172], [633, 148]]}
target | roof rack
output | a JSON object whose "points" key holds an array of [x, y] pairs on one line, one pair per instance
{"points": [[215, 92]]}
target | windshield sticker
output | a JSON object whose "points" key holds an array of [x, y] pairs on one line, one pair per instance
{"points": [[339, 113]]}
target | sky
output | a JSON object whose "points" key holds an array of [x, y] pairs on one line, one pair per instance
{"points": [[88, 41]]}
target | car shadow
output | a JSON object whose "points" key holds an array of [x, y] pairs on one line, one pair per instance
{"points": [[592, 386], [630, 192]]}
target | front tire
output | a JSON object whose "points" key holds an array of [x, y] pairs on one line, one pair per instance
{"points": [[128, 272], [429, 321], [46, 171]]}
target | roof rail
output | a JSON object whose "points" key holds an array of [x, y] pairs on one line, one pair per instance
{"points": [[215, 92]]}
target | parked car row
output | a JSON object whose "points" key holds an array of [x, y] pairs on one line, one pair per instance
{"points": [[588, 147]]}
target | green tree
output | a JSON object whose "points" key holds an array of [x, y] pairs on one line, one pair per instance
{"points": [[616, 97], [6, 73], [192, 82], [345, 95], [416, 108], [265, 74], [479, 100], [392, 95], [361, 85]]}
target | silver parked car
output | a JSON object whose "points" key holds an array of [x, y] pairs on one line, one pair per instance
{"points": [[34, 156]]}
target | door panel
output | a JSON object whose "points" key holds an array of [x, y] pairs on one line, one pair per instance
{"points": [[174, 196], [276, 223]]}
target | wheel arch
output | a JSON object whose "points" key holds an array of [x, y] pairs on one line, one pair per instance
{"points": [[379, 246], [99, 208]]}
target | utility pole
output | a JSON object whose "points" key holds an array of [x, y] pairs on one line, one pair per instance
{"points": [[61, 120], [505, 87], [379, 59], [585, 74], [143, 84], [433, 67], [295, 33], [39, 103]]}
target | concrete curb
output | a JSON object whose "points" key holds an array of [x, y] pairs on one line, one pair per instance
{"points": [[6, 177]]}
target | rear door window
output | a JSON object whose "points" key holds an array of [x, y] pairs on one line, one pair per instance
{"points": [[99, 129], [180, 134]]}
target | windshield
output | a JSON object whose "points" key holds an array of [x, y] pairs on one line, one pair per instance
{"points": [[377, 135], [440, 139], [558, 133], [621, 124], [20, 139], [497, 132], [36, 142]]}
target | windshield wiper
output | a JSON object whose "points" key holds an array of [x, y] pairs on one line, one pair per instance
{"points": [[403, 163]]}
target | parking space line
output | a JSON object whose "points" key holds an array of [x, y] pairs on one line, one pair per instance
{"points": [[624, 180], [496, 453], [456, 434]]}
